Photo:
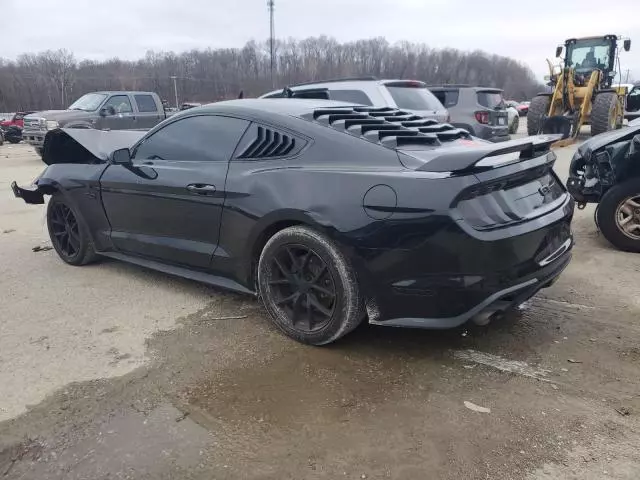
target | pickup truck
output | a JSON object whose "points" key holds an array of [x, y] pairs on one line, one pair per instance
{"points": [[11, 129], [100, 111]]}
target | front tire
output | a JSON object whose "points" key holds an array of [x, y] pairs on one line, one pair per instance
{"points": [[68, 233], [538, 109], [309, 286], [618, 215], [603, 113]]}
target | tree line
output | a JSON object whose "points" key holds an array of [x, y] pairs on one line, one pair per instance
{"points": [[53, 79]]}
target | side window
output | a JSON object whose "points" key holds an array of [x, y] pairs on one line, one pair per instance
{"points": [[451, 99], [146, 103], [448, 98], [350, 96], [199, 138], [120, 103], [441, 96]]}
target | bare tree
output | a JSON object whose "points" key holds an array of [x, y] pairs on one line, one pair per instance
{"points": [[53, 79]]}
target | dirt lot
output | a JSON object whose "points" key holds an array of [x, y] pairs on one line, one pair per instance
{"points": [[111, 371]]}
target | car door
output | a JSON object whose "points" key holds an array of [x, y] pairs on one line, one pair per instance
{"points": [[117, 113], [167, 203], [149, 113]]}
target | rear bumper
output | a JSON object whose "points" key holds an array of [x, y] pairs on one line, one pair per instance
{"points": [[499, 301], [451, 275], [493, 134]]}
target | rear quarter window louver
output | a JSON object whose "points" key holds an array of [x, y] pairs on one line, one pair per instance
{"points": [[387, 126], [261, 142]]}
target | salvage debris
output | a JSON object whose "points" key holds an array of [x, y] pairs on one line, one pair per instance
{"points": [[41, 248], [624, 411], [476, 408], [9, 230], [571, 360]]}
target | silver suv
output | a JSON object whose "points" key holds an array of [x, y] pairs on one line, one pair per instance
{"points": [[479, 110], [409, 95]]}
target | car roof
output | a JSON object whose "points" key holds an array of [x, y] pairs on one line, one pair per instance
{"points": [[457, 86], [289, 107], [122, 92], [343, 81]]}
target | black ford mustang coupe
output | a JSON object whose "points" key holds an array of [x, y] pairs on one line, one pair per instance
{"points": [[330, 213]]}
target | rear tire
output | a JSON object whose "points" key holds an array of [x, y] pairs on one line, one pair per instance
{"points": [[68, 233], [538, 109], [14, 140], [603, 113], [618, 216], [309, 286]]}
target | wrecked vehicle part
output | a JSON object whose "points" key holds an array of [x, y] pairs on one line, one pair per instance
{"points": [[602, 162], [80, 145], [606, 171]]}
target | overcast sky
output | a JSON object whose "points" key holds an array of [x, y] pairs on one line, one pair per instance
{"points": [[524, 30]]}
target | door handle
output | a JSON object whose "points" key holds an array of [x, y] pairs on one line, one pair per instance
{"points": [[201, 188]]}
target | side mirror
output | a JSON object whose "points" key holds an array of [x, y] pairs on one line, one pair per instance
{"points": [[107, 111], [627, 45], [558, 50], [121, 156]]}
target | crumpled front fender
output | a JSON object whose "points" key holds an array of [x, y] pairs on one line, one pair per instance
{"points": [[34, 193], [30, 194]]}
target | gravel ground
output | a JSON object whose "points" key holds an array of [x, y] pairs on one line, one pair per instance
{"points": [[112, 371]]}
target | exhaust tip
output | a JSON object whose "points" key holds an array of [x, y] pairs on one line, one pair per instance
{"points": [[484, 318]]}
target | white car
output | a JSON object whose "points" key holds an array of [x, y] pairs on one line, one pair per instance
{"points": [[514, 117]]}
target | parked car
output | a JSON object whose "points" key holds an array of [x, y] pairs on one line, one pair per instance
{"points": [[188, 105], [479, 110], [606, 170], [514, 116], [17, 120], [11, 129], [409, 95], [330, 213], [632, 103], [99, 110], [523, 108]]}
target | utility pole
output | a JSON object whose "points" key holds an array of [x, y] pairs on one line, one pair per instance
{"points": [[271, 5], [175, 89], [627, 78]]}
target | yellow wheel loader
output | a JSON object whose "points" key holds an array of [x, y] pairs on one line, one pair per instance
{"points": [[581, 90]]}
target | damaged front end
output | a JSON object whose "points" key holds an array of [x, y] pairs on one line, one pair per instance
{"points": [[602, 162], [64, 148], [31, 194]]}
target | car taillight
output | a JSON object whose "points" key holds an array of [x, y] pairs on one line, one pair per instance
{"points": [[482, 117]]}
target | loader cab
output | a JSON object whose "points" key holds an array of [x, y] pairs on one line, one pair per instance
{"points": [[585, 55]]}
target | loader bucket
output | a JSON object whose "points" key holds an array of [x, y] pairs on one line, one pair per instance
{"points": [[557, 124]]}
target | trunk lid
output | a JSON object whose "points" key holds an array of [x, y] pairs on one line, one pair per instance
{"points": [[516, 181]]}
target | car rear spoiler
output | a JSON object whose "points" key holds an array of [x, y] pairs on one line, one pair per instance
{"points": [[475, 154]]}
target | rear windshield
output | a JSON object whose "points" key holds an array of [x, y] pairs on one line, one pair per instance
{"points": [[448, 98], [414, 98], [490, 99]]}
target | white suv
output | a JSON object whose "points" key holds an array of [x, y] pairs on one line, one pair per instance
{"points": [[409, 95]]}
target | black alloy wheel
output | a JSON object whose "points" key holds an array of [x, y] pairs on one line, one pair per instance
{"points": [[309, 286], [303, 287], [64, 230], [68, 234]]}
